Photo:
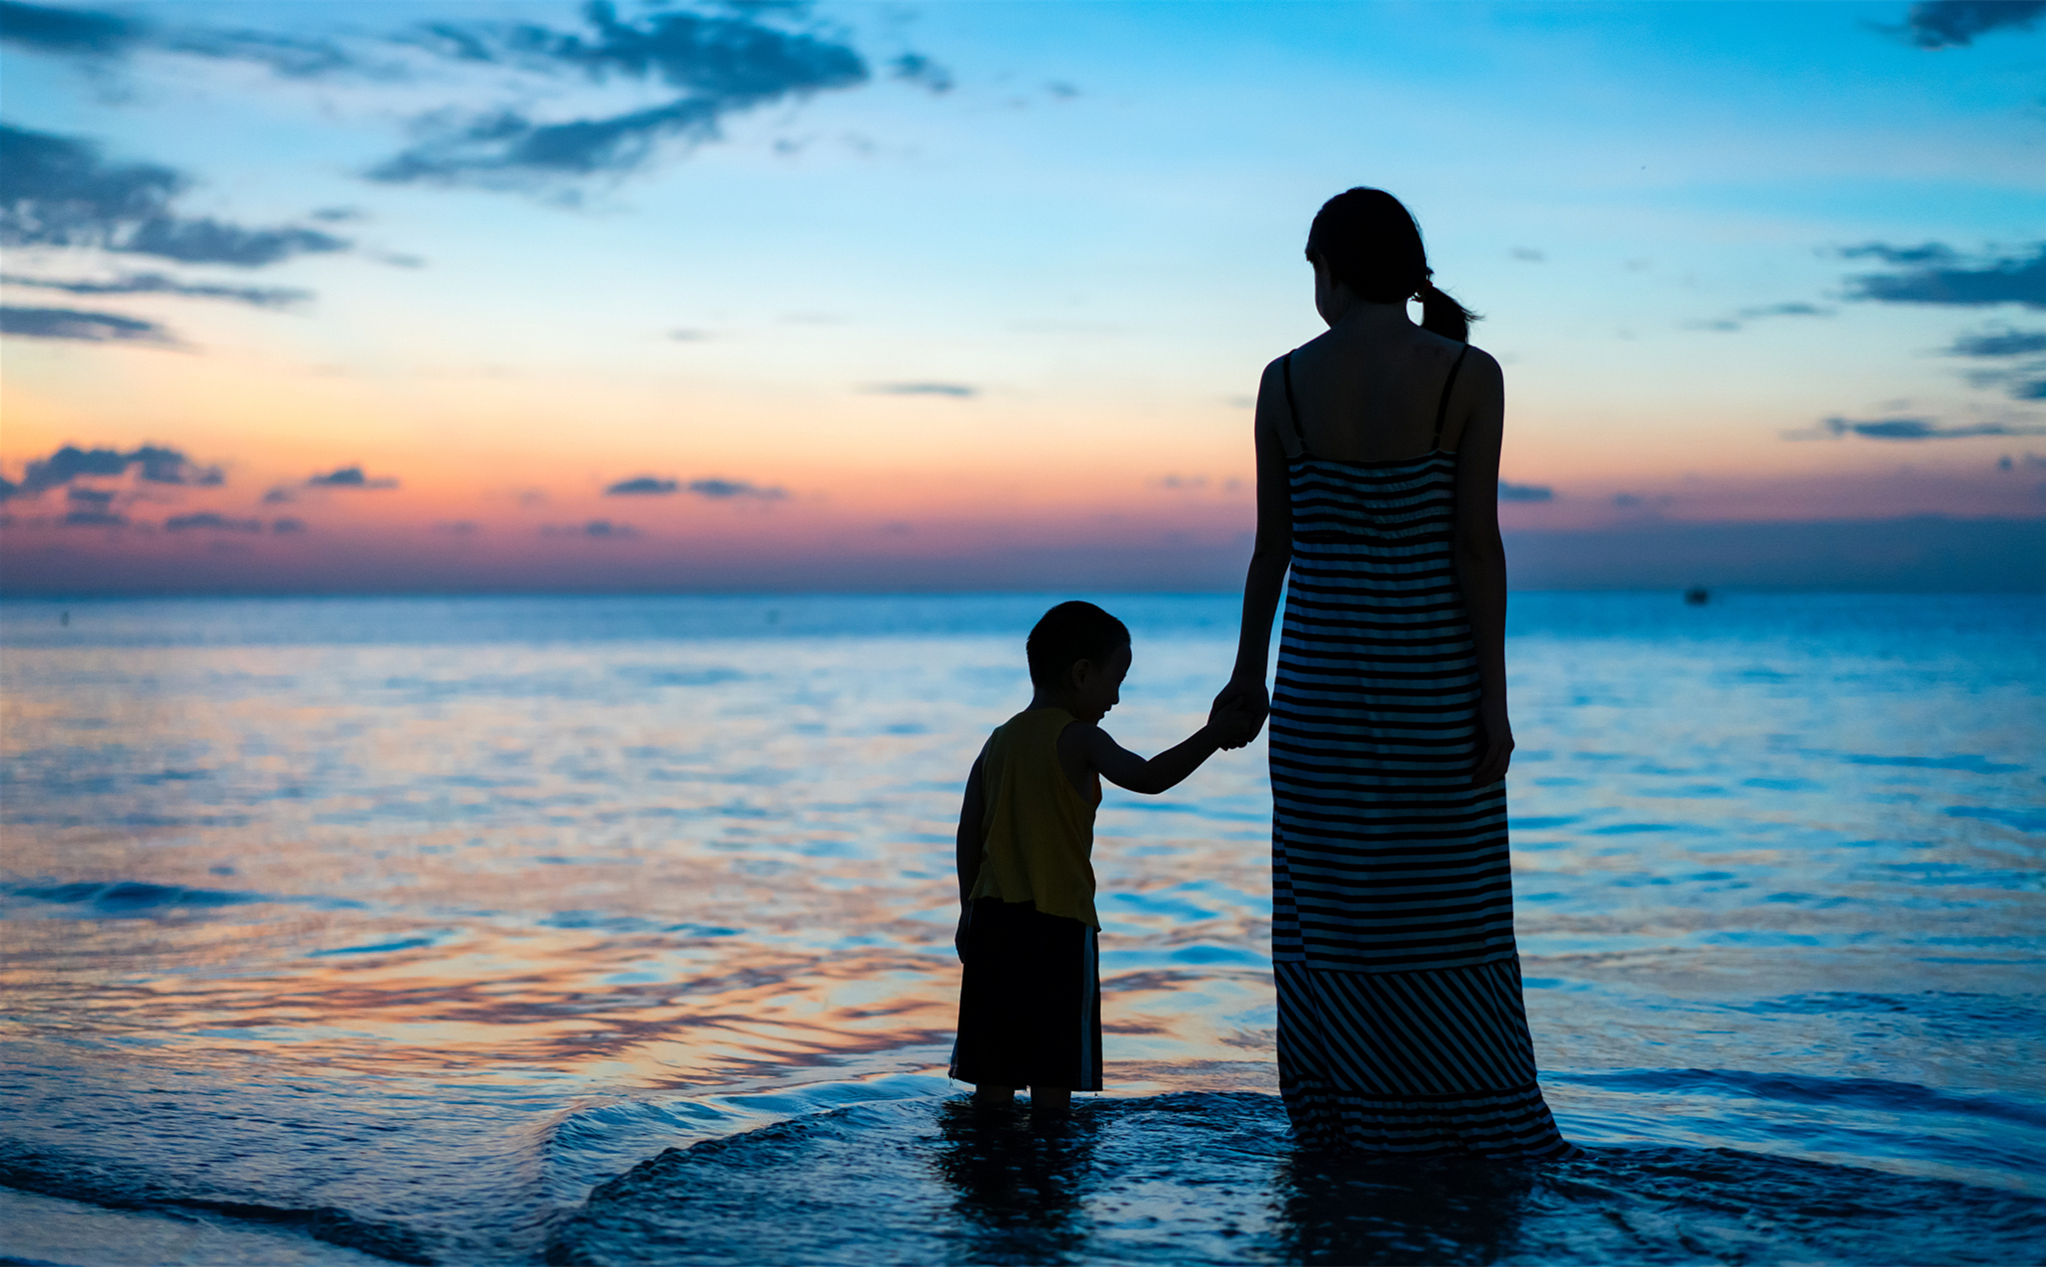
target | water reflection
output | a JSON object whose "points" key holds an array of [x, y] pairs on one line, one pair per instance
{"points": [[1776, 876], [1020, 1184]]}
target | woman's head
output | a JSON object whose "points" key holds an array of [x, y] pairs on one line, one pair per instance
{"points": [[1369, 242]]}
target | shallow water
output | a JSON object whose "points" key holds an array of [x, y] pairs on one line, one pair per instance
{"points": [[359, 930]]}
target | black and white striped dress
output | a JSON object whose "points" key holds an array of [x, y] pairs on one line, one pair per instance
{"points": [[1401, 1026]]}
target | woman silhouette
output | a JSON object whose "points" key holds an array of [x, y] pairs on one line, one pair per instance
{"points": [[1401, 1026]]}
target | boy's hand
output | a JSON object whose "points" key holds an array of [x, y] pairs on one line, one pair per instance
{"points": [[1233, 727]]}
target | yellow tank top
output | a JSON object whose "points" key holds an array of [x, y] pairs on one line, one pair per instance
{"points": [[1038, 831]]}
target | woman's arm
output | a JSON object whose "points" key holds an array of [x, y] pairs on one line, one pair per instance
{"points": [[1270, 557], [1481, 556]]}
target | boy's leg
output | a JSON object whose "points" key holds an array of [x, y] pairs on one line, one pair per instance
{"points": [[1051, 1100], [992, 1095]]}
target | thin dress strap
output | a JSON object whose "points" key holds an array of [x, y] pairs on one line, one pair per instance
{"points": [[1292, 409], [1442, 410]]}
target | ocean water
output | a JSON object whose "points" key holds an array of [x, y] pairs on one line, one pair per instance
{"points": [[510, 931]]}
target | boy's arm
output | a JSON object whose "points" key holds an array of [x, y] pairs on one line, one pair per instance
{"points": [[1093, 748], [971, 843]]}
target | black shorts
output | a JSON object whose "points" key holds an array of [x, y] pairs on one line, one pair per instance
{"points": [[1030, 1005]]}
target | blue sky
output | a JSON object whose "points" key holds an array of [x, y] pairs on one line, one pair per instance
{"points": [[947, 283]]}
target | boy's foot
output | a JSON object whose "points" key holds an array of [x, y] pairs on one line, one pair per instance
{"points": [[1050, 1101], [989, 1096]]}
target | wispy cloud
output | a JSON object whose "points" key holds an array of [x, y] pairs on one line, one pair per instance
{"points": [[642, 486], [597, 529], [1956, 23], [959, 391], [59, 191], [1935, 273], [726, 490], [159, 284], [2025, 380], [82, 327], [2000, 343], [719, 63], [349, 477], [101, 36], [1925, 429], [210, 521], [1740, 319]]}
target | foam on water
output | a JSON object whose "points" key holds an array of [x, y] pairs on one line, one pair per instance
{"points": [[417, 930]]}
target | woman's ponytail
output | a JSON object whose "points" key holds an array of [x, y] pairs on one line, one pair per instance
{"points": [[1442, 315], [1370, 243]]}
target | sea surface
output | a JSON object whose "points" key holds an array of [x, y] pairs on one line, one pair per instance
{"points": [[617, 930]]}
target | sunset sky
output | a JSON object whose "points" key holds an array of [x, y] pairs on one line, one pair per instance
{"points": [[476, 295]]}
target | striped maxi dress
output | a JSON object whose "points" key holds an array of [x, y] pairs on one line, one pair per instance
{"points": [[1401, 1026]]}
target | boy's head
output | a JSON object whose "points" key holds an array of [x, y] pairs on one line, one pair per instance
{"points": [[1079, 648]]}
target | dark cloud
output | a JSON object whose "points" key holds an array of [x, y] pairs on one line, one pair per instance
{"points": [[2020, 381], [287, 525], [601, 529], [76, 32], [346, 477], [99, 497], [1527, 254], [722, 64], [1525, 492], [59, 191], [82, 327], [458, 527], [958, 390], [2000, 343], [106, 36], [1956, 23], [643, 485], [153, 464], [725, 490], [158, 284], [1925, 429], [94, 518], [212, 522], [917, 69], [1937, 274]]}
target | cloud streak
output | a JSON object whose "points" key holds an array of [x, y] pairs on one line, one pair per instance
{"points": [[719, 63], [159, 284], [349, 477], [107, 37], [82, 327], [642, 486], [1937, 274], [1925, 429], [958, 391]]}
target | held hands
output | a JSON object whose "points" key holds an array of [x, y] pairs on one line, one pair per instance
{"points": [[1240, 711]]}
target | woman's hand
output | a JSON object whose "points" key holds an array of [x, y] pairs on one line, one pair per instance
{"points": [[1246, 696], [1495, 743]]}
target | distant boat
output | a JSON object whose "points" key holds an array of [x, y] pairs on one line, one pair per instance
{"points": [[1697, 596]]}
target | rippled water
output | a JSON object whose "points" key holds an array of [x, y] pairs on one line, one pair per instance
{"points": [[618, 931]]}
